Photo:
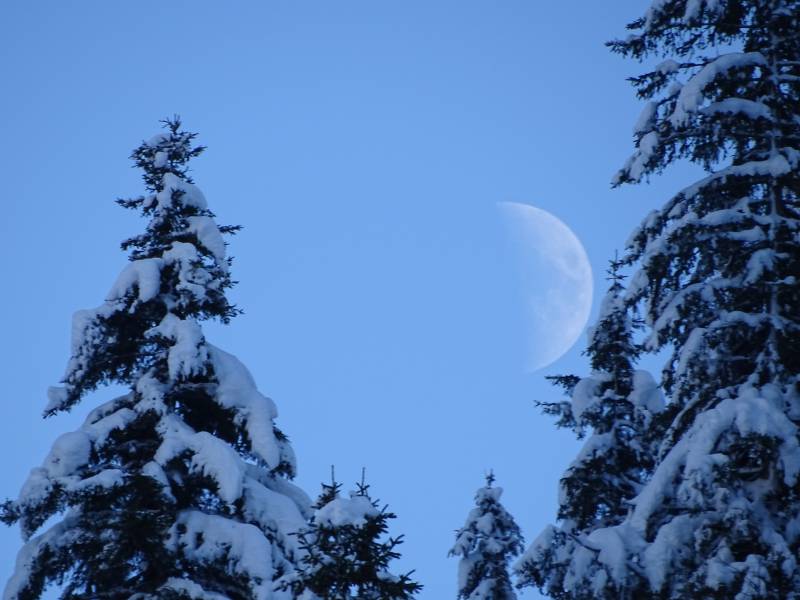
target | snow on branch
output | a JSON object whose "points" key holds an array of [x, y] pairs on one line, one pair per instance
{"points": [[691, 97]]}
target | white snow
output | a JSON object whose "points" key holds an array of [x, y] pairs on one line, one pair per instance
{"points": [[272, 510], [691, 12], [211, 456], [646, 119], [191, 196], [691, 96], [153, 470], [656, 7], [107, 478], [36, 488], [612, 553], [636, 165], [69, 452], [584, 395], [760, 261], [749, 108], [346, 511], [192, 278], [646, 393], [58, 534], [191, 589], [56, 397], [157, 139], [188, 355], [663, 555], [719, 570], [667, 67], [144, 275], [209, 235], [151, 393], [206, 538], [99, 430], [237, 390], [67, 457], [218, 460], [283, 487], [160, 159], [542, 542], [753, 411], [781, 162], [693, 8]]}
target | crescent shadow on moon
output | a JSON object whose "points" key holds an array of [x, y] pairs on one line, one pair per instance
{"points": [[557, 281]]}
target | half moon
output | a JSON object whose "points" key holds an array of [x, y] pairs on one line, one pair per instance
{"points": [[556, 278]]}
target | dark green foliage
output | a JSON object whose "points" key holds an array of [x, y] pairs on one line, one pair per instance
{"points": [[562, 409], [344, 555]]}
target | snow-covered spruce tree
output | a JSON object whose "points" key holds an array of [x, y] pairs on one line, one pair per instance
{"points": [[617, 403], [179, 488], [488, 541], [717, 278], [343, 555]]}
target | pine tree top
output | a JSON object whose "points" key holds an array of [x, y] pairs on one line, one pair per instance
{"points": [[180, 487], [344, 555], [178, 276], [330, 491], [486, 544]]}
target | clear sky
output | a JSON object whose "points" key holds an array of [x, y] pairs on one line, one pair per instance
{"points": [[364, 147]]}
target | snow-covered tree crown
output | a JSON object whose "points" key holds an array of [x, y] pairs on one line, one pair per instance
{"points": [[719, 263], [488, 541], [344, 557], [179, 488], [617, 404], [603, 401], [178, 267], [716, 277], [175, 206], [726, 88]]}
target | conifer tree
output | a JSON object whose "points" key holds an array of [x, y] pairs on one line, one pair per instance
{"points": [[617, 403], [179, 488], [343, 555], [717, 278], [488, 541]]}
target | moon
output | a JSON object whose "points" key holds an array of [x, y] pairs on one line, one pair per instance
{"points": [[556, 281]]}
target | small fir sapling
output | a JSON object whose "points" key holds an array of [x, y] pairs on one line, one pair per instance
{"points": [[486, 544], [344, 555]]}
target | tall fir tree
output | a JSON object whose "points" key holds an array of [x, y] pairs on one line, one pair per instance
{"points": [[179, 488], [487, 543], [717, 277], [618, 404], [343, 555]]}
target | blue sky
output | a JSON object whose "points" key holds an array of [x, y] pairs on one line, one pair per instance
{"points": [[364, 146]]}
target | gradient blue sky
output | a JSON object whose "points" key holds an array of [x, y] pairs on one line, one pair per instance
{"points": [[364, 146]]}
